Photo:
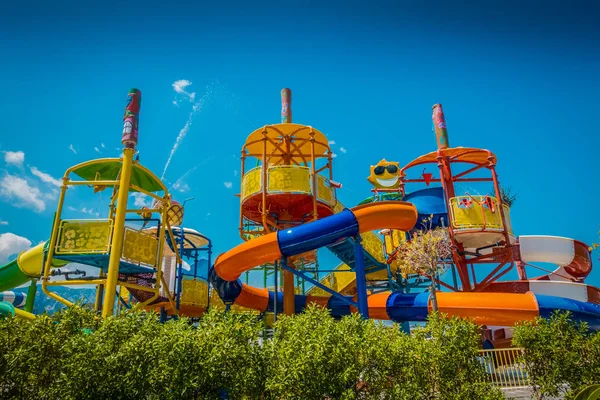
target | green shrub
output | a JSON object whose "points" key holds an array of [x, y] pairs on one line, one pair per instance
{"points": [[74, 355], [559, 356], [448, 366], [314, 357]]}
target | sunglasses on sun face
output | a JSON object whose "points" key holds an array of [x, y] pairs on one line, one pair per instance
{"points": [[392, 169]]}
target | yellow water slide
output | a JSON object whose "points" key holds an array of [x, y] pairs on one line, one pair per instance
{"points": [[27, 266]]}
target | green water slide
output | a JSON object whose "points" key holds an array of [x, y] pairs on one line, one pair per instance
{"points": [[27, 266]]}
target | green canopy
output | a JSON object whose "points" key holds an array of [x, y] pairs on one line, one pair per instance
{"points": [[383, 197], [109, 169]]}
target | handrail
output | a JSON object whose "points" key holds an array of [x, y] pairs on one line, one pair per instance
{"points": [[504, 367]]}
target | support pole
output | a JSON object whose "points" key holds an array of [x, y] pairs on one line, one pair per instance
{"points": [[179, 268], [288, 277], [361, 278], [275, 290], [31, 296], [129, 140], [112, 275], [286, 106], [439, 127]]}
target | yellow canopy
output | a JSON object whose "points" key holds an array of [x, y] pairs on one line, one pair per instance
{"points": [[457, 154], [290, 139]]}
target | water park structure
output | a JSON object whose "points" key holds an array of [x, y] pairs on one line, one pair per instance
{"points": [[289, 209], [138, 252]]}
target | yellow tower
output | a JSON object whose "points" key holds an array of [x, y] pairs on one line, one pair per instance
{"points": [[118, 248], [290, 183]]}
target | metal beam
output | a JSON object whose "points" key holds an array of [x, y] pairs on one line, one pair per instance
{"points": [[319, 285]]}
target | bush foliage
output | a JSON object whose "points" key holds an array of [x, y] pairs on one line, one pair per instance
{"points": [[73, 355], [560, 357]]}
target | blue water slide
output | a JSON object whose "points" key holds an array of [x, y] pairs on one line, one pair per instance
{"points": [[429, 202]]}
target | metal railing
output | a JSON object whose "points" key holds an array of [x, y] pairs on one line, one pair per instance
{"points": [[504, 367]]}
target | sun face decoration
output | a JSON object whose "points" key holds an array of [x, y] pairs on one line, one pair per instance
{"points": [[385, 175]]}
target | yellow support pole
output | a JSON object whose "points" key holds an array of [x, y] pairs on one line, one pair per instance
{"points": [[129, 140], [118, 233], [52, 245], [24, 314]]}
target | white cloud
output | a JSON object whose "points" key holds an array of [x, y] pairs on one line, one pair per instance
{"points": [[44, 177], [102, 145], [228, 185], [4, 223], [332, 142], [72, 148], [343, 150], [333, 155], [175, 103], [14, 158], [235, 173], [12, 244], [51, 194], [180, 85], [181, 187], [24, 195], [90, 211], [141, 200], [97, 150], [85, 210]]}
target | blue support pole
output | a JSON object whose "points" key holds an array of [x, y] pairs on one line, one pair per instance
{"points": [[405, 327], [361, 278], [275, 289], [318, 284], [179, 269]]}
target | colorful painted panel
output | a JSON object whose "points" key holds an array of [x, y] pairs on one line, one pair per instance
{"points": [[289, 179], [251, 183], [140, 247], [373, 245], [325, 192], [475, 212], [195, 292], [84, 236]]}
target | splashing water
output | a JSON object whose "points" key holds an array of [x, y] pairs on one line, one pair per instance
{"points": [[209, 92]]}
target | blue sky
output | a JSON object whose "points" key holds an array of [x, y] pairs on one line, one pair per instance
{"points": [[517, 78]]}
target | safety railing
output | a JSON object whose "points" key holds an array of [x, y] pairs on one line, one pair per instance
{"points": [[84, 236], [140, 248], [287, 179], [478, 212], [504, 368]]}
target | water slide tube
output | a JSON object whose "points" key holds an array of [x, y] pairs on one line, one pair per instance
{"points": [[574, 262], [27, 266], [573, 257], [503, 309], [17, 299]]}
